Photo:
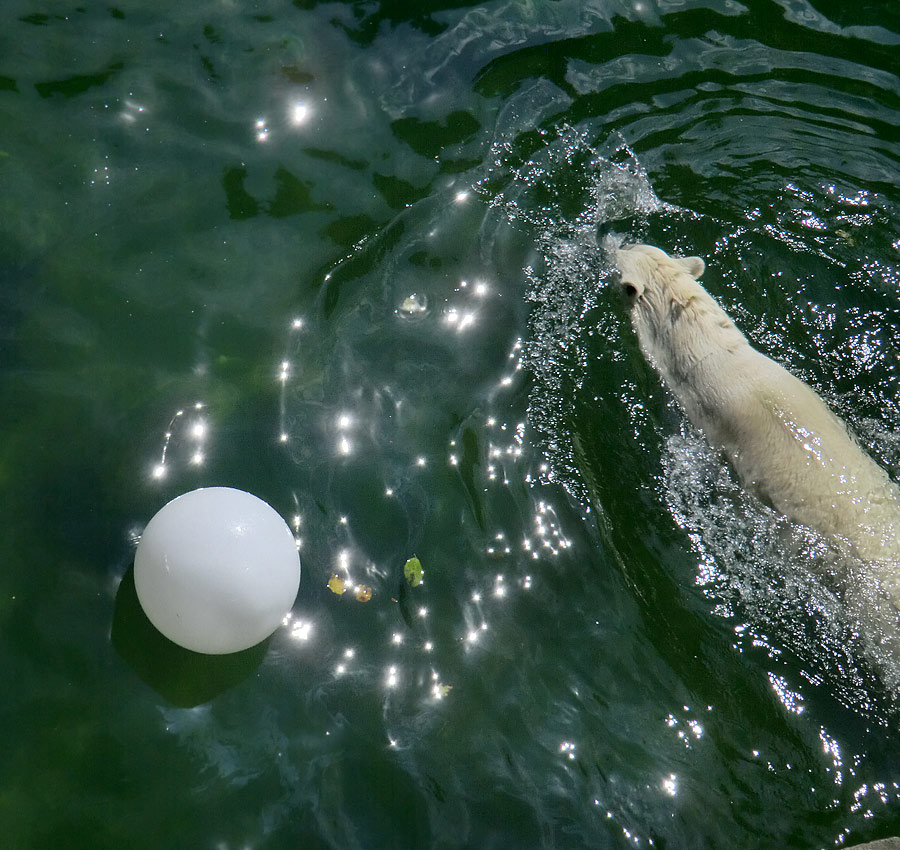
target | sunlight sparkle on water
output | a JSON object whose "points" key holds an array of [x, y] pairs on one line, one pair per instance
{"points": [[831, 748], [299, 113], [301, 630], [197, 430], [131, 112], [499, 587], [473, 635], [341, 666], [791, 700], [459, 320]]}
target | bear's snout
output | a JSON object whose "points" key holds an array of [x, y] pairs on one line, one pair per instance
{"points": [[629, 272], [632, 289]]}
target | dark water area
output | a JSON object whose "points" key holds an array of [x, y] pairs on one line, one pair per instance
{"points": [[350, 257]]}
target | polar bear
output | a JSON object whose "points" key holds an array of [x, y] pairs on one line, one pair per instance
{"points": [[780, 437]]}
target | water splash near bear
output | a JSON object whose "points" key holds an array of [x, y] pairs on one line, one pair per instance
{"points": [[772, 578], [566, 192]]}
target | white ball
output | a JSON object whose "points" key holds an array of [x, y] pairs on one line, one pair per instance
{"points": [[216, 570]]}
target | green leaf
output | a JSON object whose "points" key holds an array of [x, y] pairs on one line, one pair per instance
{"points": [[413, 571]]}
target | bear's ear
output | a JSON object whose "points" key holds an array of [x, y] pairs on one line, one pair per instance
{"points": [[694, 266]]}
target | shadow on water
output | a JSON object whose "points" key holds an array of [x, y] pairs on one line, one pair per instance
{"points": [[183, 678]]}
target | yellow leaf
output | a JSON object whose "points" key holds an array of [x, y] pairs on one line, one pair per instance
{"points": [[336, 584], [363, 593]]}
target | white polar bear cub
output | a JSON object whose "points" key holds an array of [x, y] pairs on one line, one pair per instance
{"points": [[781, 439]]}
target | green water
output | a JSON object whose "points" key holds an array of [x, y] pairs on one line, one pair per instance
{"points": [[345, 256]]}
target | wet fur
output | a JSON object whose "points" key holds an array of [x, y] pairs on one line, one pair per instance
{"points": [[780, 437]]}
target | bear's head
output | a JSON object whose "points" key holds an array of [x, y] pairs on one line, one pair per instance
{"points": [[678, 323], [650, 273], [659, 287]]}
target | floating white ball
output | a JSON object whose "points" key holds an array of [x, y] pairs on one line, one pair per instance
{"points": [[216, 570]]}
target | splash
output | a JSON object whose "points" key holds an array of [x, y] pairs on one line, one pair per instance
{"points": [[568, 185], [571, 192], [772, 577]]}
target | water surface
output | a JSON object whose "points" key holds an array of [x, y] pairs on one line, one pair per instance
{"points": [[346, 256]]}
